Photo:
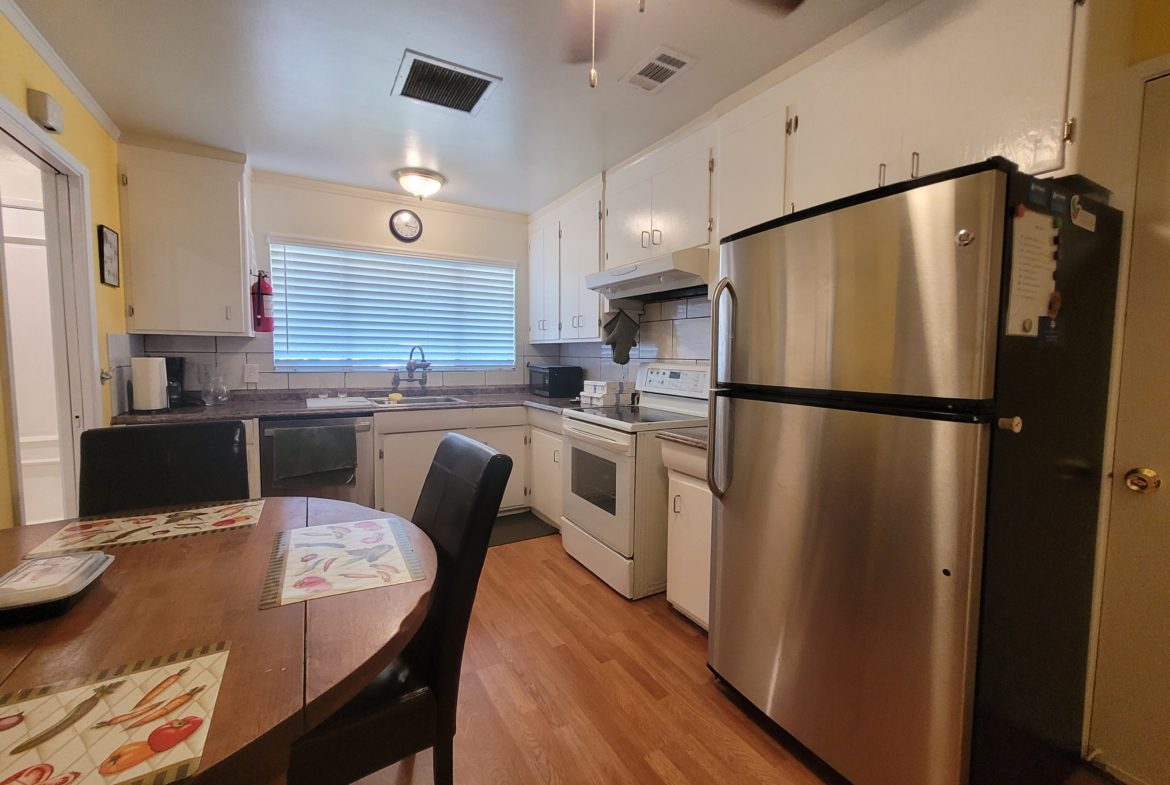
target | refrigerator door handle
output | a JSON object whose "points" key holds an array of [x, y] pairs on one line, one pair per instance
{"points": [[716, 441]]}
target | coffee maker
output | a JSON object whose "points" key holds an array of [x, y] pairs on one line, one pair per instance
{"points": [[176, 366]]}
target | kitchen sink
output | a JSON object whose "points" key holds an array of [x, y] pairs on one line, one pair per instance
{"points": [[416, 400]]}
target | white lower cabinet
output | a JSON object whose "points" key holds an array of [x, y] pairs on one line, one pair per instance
{"points": [[406, 443], [688, 532], [405, 461], [545, 461], [512, 441]]}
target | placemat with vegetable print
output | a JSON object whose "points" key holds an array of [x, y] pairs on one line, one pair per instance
{"points": [[131, 725], [337, 558], [103, 533]]}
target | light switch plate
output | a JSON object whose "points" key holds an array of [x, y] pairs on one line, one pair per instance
{"points": [[251, 373]]}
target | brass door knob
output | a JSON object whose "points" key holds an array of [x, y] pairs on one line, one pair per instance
{"points": [[1142, 480]]}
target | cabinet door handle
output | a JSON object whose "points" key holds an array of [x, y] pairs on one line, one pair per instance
{"points": [[658, 233], [227, 313], [914, 161], [881, 175], [556, 456], [645, 239], [678, 502]]}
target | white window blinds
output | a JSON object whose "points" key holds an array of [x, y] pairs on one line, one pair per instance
{"points": [[341, 308]]}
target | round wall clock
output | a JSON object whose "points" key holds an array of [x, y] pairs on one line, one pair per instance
{"points": [[406, 225]]}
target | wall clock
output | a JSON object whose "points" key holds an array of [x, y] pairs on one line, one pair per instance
{"points": [[406, 226]]}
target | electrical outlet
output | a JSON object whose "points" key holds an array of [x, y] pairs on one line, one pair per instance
{"points": [[251, 373]]}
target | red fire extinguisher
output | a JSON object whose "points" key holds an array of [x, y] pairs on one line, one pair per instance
{"points": [[262, 319]]}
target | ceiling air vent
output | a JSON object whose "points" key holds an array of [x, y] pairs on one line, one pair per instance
{"points": [[438, 82], [658, 69]]}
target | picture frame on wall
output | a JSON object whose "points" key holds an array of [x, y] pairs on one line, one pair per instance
{"points": [[111, 274]]}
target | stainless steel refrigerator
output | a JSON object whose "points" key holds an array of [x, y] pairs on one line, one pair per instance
{"points": [[906, 448]]}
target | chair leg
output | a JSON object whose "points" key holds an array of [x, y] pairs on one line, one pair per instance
{"points": [[444, 758]]}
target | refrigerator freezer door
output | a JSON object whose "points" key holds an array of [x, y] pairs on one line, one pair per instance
{"points": [[898, 295], [846, 569]]}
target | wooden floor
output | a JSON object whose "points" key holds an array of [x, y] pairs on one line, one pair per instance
{"points": [[564, 681]]}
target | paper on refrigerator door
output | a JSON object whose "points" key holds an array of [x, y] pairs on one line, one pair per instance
{"points": [[1033, 271]]}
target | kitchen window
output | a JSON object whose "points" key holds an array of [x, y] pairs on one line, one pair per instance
{"points": [[346, 308]]}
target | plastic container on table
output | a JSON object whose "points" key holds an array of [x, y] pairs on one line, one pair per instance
{"points": [[39, 588]]}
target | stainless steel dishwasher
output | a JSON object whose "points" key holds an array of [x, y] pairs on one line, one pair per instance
{"points": [[356, 486]]}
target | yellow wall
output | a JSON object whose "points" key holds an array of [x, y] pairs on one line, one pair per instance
{"points": [[1151, 29], [21, 68]]}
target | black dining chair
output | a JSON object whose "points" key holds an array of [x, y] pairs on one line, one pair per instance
{"points": [[410, 706], [134, 467]]}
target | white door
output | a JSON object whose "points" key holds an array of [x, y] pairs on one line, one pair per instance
{"points": [[545, 470], [627, 222], [844, 130], [688, 547], [37, 319], [405, 459], [681, 205], [1130, 723], [963, 104], [751, 172], [551, 283], [183, 224], [536, 274], [510, 440], [580, 256]]}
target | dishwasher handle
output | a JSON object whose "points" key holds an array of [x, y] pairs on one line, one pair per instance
{"points": [[361, 426]]}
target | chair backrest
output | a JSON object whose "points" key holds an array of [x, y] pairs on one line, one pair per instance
{"points": [[138, 466], [457, 509]]}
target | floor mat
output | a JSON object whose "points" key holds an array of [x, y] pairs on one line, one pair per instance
{"points": [[522, 526]]}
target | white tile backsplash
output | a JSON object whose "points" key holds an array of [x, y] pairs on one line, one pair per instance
{"points": [[272, 381], [512, 376], [118, 350], [462, 379], [314, 381], [698, 307], [692, 339], [179, 344], [656, 340], [261, 343], [369, 380], [673, 309]]}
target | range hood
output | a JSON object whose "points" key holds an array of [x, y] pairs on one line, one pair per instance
{"points": [[679, 270]]}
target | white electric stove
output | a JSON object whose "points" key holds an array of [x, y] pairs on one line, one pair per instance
{"points": [[615, 505]]}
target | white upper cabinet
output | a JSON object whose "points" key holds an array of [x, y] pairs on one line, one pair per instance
{"points": [[564, 245], [544, 282], [965, 102], [948, 83], [845, 128], [627, 222], [580, 221], [660, 203], [750, 175], [185, 243]]}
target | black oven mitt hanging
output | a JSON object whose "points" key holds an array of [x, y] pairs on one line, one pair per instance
{"points": [[620, 331]]}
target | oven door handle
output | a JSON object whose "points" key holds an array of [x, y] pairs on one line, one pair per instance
{"points": [[611, 445]]}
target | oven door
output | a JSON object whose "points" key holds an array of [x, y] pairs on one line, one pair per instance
{"points": [[598, 473]]}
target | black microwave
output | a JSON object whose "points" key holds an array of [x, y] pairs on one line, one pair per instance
{"points": [[556, 381]]}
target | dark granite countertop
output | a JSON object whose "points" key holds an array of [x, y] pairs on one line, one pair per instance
{"points": [[248, 404], [692, 437]]}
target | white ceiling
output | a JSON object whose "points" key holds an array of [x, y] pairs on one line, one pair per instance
{"points": [[303, 86]]}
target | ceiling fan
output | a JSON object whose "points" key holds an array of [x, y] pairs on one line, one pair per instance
{"points": [[586, 25]]}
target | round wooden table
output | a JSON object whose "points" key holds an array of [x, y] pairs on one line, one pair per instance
{"points": [[289, 668]]}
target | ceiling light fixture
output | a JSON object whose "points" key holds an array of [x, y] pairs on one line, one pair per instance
{"points": [[420, 182]]}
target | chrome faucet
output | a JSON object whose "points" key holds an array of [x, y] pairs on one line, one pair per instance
{"points": [[413, 365]]}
